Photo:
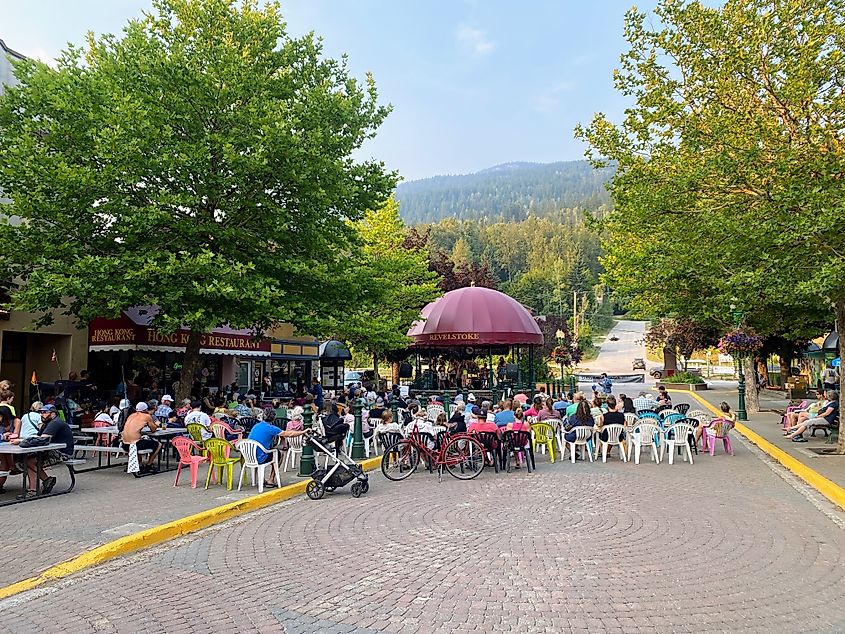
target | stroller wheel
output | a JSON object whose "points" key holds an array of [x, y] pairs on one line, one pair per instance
{"points": [[365, 486], [357, 490], [315, 490]]}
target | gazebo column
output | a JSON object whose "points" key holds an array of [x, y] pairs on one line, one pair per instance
{"points": [[531, 374]]}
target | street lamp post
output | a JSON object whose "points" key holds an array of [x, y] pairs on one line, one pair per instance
{"points": [[741, 414], [357, 433], [306, 460]]}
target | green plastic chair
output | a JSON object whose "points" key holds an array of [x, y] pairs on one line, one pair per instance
{"points": [[218, 452]]}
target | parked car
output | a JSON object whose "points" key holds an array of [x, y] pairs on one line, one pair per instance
{"points": [[353, 377], [657, 372], [639, 364], [614, 338]]}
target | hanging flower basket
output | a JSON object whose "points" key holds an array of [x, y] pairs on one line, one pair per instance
{"points": [[566, 356], [740, 342]]}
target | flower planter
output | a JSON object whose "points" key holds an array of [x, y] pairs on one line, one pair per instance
{"points": [[690, 387]]}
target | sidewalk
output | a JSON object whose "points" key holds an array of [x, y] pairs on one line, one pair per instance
{"points": [[104, 506], [768, 425]]}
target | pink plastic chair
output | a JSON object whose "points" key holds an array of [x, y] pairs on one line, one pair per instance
{"points": [[185, 446], [718, 429], [792, 408], [102, 439]]}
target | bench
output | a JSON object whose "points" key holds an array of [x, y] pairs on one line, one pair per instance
{"points": [[107, 451]]}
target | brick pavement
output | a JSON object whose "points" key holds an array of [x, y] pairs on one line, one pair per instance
{"points": [[103, 506], [713, 547]]}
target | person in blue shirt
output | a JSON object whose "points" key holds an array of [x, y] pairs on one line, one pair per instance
{"points": [[561, 403], [265, 434], [506, 416], [317, 391], [605, 383]]}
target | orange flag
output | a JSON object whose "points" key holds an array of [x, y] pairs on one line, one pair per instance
{"points": [[34, 379]]}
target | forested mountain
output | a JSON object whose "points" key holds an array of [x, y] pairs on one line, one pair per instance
{"points": [[511, 191]]}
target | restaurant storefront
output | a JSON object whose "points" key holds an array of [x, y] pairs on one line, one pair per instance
{"points": [[151, 361]]}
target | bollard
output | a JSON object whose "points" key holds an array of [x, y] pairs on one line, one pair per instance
{"points": [[357, 433], [446, 403], [306, 460]]}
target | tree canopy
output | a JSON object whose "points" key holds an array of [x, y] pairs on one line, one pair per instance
{"points": [[202, 162], [729, 185]]}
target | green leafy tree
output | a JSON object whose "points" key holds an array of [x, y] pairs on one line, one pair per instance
{"points": [[391, 284], [202, 162], [729, 164]]}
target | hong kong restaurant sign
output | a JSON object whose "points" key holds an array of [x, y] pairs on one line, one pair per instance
{"points": [[123, 334]]}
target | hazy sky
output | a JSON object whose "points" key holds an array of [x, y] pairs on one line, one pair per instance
{"points": [[472, 83]]}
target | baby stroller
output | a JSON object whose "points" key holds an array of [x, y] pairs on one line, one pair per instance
{"points": [[341, 469]]}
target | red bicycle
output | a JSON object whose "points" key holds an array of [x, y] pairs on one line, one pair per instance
{"points": [[461, 455]]}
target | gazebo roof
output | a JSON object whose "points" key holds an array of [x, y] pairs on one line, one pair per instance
{"points": [[475, 316]]}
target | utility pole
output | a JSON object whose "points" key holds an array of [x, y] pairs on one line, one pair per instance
{"points": [[575, 315]]}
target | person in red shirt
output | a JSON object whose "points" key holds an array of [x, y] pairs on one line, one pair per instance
{"points": [[480, 422]]}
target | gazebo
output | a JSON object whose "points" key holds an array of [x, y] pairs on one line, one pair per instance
{"points": [[475, 322]]}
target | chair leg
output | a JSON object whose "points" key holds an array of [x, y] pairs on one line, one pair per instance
{"points": [[728, 447], [670, 449], [241, 478], [604, 452], [208, 477], [571, 446], [589, 449], [259, 477], [195, 472], [689, 452], [178, 471], [637, 449]]}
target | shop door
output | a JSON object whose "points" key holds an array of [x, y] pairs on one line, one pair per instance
{"points": [[244, 376], [14, 367]]}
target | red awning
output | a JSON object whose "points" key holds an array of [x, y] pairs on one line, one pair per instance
{"points": [[475, 316], [131, 331]]}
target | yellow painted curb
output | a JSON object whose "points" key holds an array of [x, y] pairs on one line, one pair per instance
{"points": [[158, 534], [827, 488]]}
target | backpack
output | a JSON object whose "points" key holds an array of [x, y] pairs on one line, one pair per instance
{"points": [[121, 418]]}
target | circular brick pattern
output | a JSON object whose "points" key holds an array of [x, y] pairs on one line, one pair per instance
{"points": [[718, 546]]}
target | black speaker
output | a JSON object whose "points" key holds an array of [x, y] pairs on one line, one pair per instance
{"points": [[511, 371], [405, 371]]}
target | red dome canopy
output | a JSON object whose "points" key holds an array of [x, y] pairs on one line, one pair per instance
{"points": [[475, 316]]}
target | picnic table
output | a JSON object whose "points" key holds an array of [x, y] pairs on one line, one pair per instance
{"points": [[17, 450], [166, 435]]}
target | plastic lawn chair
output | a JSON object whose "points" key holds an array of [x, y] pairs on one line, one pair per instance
{"points": [[614, 431], [102, 439], [682, 408], [186, 447], [643, 434], [294, 449], [677, 436], [583, 437], [221, 428], [249, 450], [718, 429], [195, 432], [218, 455], [544, 436]]}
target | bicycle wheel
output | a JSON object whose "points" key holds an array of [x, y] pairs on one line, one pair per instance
{"points": [[400, 460], [464, 458]]}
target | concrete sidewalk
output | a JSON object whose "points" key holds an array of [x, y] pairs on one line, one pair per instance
{"points": [[768, 425]]}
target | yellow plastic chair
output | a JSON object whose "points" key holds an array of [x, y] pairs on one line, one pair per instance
{"points": [[218, 455], [544, 436], [195, 432]]}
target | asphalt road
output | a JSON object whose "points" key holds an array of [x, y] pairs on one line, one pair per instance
{"points": [[616, 356]]}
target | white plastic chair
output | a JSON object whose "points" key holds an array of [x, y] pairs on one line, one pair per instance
{"points": [[249, 452], [583, 436], [643, 434], [294, 449], [433, 412], [614, 430], [681, 433]]}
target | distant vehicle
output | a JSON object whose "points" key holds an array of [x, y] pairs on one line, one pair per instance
{"points": [[639, 364], [614, 338], [353, 377], [657, 372]]}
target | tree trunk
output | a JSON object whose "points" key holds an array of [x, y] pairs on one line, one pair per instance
{"points": [[752, 400], [785, 357], [840, 320], [190, 365], [375, 372], [394, 374]]}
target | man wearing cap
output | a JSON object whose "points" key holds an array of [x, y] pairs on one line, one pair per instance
{"points": [[165, 408], [139, 419], [482, 421], [57, 431]]}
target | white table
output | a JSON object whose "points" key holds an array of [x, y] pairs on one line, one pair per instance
{"points": [[17, 450]]}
